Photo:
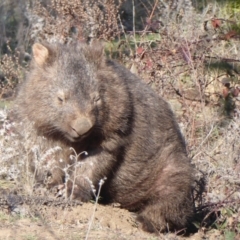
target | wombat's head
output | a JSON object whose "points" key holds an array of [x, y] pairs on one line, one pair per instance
{"points": [[63, 93]]}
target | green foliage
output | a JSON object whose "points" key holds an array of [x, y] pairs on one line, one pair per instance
{"points": [[232, 6], [229, 235], [128, 44]]}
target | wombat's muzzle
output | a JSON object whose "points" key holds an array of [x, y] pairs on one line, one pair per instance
{"points": [[80, 127]]}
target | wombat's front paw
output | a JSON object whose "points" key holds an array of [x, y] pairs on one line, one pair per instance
{"points": [[78, 192], [148, 226]]}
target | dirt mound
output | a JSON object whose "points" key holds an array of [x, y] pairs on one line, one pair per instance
{"points": [[80, 222]]}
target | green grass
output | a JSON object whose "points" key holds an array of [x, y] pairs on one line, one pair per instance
{"points": [[127, 45]]}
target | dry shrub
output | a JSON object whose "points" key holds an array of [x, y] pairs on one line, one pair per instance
{"points": [[187, 65], [11, 73], [62, 20]]}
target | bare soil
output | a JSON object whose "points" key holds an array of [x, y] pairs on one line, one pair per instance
{"points": [[79, 222], [108, 222]]}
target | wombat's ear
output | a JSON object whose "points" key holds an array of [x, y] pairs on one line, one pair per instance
{"points": [[40, 53], [96, 53]]}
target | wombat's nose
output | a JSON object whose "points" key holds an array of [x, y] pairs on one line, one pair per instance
{"points": [[81, 126]]}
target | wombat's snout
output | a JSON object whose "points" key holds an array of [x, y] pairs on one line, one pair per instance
{"points": [[80, 127]]}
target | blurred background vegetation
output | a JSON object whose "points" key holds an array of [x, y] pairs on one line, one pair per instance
{"points": [[17, 17]]}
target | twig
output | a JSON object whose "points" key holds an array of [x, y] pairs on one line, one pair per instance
{"points": [[154, 7], [101, 182], [204, 140], [134, 27], [220, 203], [150, 17]]}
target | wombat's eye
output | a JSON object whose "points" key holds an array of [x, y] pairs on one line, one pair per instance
{"points": [[97, 99], [60, 99], [61, 96]]}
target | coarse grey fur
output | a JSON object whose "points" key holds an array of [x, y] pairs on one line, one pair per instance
{"points": [[77, 98]]}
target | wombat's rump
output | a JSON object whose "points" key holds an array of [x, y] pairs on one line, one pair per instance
{"points": [[77, 98]]}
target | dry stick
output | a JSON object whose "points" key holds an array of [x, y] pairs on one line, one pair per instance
{"points": [[37, 160], [220, 203], [223, 59], [150, 17], [134, 30], [125, 35], [101, 182], [203, 141]]}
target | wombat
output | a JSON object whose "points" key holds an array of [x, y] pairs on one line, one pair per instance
{"points": [[79, 99]]}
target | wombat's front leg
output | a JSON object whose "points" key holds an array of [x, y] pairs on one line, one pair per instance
{"points": [[86, 175]]}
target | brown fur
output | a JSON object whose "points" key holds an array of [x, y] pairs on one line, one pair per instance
{"points": [[77, 98]]}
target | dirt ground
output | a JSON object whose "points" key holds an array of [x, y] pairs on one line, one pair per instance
{"points": [[109, 222], [73, 223]]}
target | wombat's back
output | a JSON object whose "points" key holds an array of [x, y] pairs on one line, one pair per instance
{"points": [[155, 160]]}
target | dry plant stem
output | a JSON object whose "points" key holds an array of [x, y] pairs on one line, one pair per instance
{"points": [[150, 17], [101, 182], [203, 141], [216, 206], [126, 37], [134, 30], [36, 155], [220, 203], [76, 157]]}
